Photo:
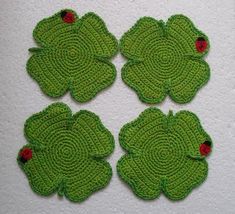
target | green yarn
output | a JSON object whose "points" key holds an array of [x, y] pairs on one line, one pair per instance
{"points": [[73, 56], [163, 59], [67, 153], [163, 154]]}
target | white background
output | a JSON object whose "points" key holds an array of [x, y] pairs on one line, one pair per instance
{"points": [[20, 97]]}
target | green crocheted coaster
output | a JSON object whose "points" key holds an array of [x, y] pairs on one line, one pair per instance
{"points": [[165, 59], [65, 153], [165, 154], [73, 55]]}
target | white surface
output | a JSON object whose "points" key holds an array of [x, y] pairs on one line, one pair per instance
{"points": [[215, 105]]}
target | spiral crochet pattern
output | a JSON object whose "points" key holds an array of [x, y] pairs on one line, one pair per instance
{"points": [[73, 55], [164, 154], [65, 153], [165, 59]]}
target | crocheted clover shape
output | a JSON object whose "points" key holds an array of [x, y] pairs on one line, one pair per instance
{"points": [[65, 153], [164, 154], [73, 55], [165, 59]]}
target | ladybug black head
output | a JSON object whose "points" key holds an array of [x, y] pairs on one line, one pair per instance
{"points": [[208, 143], [200, 39], [63, 13]]}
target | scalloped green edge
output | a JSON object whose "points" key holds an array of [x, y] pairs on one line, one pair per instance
{"points": [[125, 179], [134, 60], [33, 144], [69, 84]]}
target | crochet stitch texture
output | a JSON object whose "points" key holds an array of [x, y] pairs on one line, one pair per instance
{"points": [[73, 55], [165, 59], [164, 154], [65, 153]]}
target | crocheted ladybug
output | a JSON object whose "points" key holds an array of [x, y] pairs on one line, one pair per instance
{"points": [[25, 155], [67, 17], [201, 44], [205, 148]]}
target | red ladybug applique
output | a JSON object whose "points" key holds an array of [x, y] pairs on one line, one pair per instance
{"points": [[67, 17], [205, 148], [25, 155], [201, 44]]}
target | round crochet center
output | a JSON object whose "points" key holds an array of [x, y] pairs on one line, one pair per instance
{"points": [[165, 157], [164, 58], [67, 152]]}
